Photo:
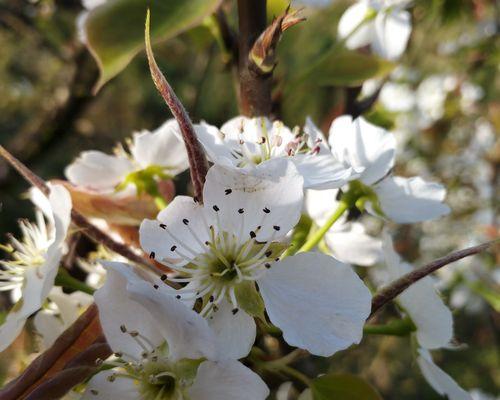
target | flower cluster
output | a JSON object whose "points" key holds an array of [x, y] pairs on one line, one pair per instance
{"points": [[207, 290]]}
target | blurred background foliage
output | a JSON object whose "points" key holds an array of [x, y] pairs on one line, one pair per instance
{"points": [[48, 114]]}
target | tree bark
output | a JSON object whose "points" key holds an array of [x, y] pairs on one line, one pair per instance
{"points": [[255, 88]]}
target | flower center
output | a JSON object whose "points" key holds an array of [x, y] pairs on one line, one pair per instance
{"points": [[270, 144], [156, 376], [30, 252]]}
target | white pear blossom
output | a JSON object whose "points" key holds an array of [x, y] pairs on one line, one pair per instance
{"points": [[440, 381], [60, 312], [35, 259], [382, 24], [346, 240], [421, 302], [370, 151], [163, 349], [228, 252], [153, 155], [431, 96], [251, 142]]}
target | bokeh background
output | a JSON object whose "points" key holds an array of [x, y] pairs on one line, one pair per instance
{"points": [[442, 101]]}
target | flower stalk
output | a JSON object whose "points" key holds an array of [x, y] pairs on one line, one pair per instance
{"points": [[320, 233]]}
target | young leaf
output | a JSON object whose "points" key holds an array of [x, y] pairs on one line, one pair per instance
{"points": [[114, 32]]}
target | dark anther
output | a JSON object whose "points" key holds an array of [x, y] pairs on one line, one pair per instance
{"points": [[241, 210], [276, 227], [252, 234], [195, 199], [266, 210], [207, 243], [173, 248], [268, 253], [215, 208], [228, 191], [155, 286], [163, 226], [234, 311], [152, 255], [185, 221], [163, 277], [211, 299], [178, 296], [267, 265], [123, 328]]}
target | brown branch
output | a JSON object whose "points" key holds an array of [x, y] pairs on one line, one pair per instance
{"points": [[255, 88], [88, 229], [198, 164], [79, 337], [395, 288]]}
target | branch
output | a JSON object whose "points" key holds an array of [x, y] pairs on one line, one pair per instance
{"points": [[78, 338], [198, 164], [255, 88], [88, 229], [355, 107], [395, 288]]}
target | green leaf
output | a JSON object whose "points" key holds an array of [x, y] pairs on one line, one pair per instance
{"points": [[115, 31], [249, 299], [342, 387], [348, 68], [487, 293]]}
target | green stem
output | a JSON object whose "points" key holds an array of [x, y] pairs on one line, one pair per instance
{"points": [[292, 372], [400, 327], [64, 279], [160, 202], [318, 235]]}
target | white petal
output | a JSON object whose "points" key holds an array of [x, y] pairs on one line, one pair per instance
{"points": [[90, 4], [365, 147], [321, 171], [409, 200], [10, 329], [421, 301], [48, 326], [227, 380], [274, 186], [349, 243], [117, 309], [319, 303], [315, 137], [186, 332], [181, 229], [60, 203], [320, 204], [235, 333], [440, 381], [98, 171], [392, 31], [100, 388], [162, 147], [218, 148], [350, 20]]}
